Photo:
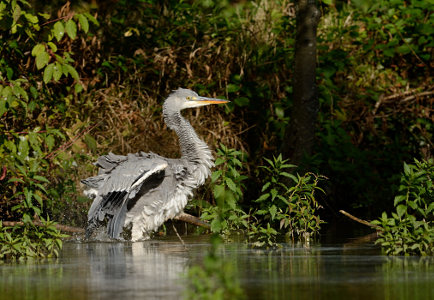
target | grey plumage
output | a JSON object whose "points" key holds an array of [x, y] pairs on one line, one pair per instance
{"points": [[145, 189]]}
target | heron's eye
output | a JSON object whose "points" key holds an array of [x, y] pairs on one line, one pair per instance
{"points": [[188, 97]]}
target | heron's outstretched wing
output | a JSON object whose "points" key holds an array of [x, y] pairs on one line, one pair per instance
{"points": [[121, 179]]}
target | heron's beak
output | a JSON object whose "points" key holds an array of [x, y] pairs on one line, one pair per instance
{"points": [[206, 100]]}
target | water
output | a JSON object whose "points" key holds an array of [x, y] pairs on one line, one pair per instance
{"points": [[155, 270]]}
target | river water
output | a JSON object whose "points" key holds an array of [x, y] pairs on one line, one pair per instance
{"points": [[156, 270]]}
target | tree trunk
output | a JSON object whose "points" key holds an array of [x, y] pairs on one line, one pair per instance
{"points": [[300, 134]]}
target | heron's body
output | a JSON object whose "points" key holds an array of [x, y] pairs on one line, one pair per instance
{"points": [[144, 189]]}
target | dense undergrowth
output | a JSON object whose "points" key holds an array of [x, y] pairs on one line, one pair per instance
{"points": [[78, 80]]}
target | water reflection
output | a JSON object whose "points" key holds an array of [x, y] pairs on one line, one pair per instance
{"points": [[136, 270], [154, 270], [100, 271]]}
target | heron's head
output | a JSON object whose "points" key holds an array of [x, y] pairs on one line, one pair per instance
{"points": [[185, 98]]}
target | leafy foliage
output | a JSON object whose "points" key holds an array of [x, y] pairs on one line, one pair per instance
{"points": [[284, 208], [227, 186], [410, 229], [37, 65], [292, 208], [30, 241]]}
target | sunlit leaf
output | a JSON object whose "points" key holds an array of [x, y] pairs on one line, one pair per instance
{"points": [[231, 185], [58, 30], [42, 60], [39, 48], [71, 28], [48, 73], [83, 22], [401, 209], [57, 71]]}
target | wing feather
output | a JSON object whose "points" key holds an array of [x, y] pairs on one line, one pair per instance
{"points": [[120, 180]]}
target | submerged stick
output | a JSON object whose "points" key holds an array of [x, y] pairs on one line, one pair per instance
{"points": [[179, 237], [359, 220], [192, 220]]}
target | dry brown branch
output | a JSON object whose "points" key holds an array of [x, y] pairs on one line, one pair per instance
{"points": [[61, 227], [192, 220], [359, 220]]}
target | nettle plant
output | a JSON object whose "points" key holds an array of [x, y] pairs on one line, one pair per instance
{"points": [[410, 228], [227, 186], [288, 203]]}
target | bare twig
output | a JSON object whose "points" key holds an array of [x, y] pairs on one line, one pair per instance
{"points": [[359, 220], [71, 142]]}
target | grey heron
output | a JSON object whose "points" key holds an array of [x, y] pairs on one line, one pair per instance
{"points": [[143, 190]]}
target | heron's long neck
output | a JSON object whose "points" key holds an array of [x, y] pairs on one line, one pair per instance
{"points": [[193, 149]]}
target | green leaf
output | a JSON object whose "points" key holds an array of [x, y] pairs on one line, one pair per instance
{"points": [[42, 60], [17, 13], [83, 22], [231, 185], [92, 19], [242, 101], [57, 71], [263, 197], [265, 186], [232, 88], [399, 199], [216, 225], [39, 199], [403, 49], [31, 18], [328, 2], [273, 210], [28, 197], [52, 46], [406, 169], [71, 70], [219, 161], [78, 88], [401, 209], [90, 142], [58, 30], [219, 192], [49, 140], [39, 48], [3, 108], [41, 178], [48, 73], [216, 175], [273, 194], [23, 148], [71, 28]]}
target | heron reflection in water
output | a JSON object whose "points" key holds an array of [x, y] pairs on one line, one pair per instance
{"points": [[143, 190]]}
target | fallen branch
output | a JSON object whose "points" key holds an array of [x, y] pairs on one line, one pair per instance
{"points": [[61, 227], [65, 228], [192, 220], [359, 220]]}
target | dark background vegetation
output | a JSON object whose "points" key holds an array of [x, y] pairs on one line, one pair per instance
{"points": [[374, 81]]}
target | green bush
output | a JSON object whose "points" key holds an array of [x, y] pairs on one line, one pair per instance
{"points": [[227, 184], [38, 80], [410, 229], [288, 202], [30, 241]]}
